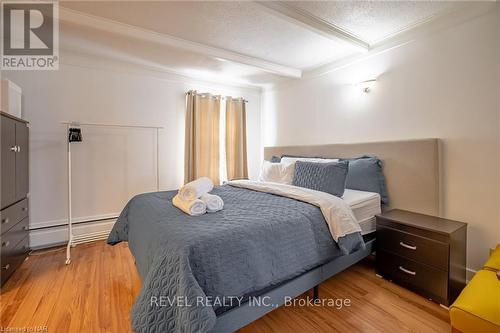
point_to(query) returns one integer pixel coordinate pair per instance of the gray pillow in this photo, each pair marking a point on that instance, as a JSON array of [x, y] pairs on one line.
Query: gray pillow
[[275, 159], [325, 177], [365, 174], [300, 156]]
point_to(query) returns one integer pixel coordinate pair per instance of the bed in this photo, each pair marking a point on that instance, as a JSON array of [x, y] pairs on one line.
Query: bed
[[200, 276]]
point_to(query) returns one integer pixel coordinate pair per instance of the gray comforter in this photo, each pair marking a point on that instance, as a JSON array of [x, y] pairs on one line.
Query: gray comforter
[[258, 240]]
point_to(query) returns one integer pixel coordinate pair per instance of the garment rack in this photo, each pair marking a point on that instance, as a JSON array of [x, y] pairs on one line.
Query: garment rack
[[70, 124]]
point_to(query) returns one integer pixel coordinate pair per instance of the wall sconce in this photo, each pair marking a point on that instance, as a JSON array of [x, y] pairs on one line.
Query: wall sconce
[[367, 85]]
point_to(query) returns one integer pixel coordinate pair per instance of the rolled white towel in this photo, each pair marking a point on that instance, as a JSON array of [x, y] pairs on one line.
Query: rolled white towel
[[214, 202], [194, 207], [196, 188]]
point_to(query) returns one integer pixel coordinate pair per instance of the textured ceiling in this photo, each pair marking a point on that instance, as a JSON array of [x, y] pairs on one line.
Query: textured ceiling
[[375, 20], [115, 47], [252, 30], [242, 27]]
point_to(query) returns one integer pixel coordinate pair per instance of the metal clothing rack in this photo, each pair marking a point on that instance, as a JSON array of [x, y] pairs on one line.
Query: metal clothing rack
[[70, 124]]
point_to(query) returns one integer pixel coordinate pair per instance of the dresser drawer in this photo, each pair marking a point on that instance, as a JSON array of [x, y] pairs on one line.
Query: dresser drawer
[[11, 238], [423, 279], [13, 214], [420, 249], [14, 259]]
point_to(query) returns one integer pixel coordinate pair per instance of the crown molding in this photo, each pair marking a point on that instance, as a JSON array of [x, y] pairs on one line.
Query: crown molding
[[313, 23], [466, 12], [447, 18], [83, 19], [88, 60], [433, 24]]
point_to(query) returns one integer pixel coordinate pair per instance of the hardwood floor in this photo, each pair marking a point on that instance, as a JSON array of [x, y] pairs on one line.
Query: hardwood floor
[[95, 294]]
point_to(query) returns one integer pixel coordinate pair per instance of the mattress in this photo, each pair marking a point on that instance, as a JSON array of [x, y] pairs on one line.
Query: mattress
[[364, 205]]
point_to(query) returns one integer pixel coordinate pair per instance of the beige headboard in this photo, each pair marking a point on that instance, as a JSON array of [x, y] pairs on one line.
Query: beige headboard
[[411, 168]]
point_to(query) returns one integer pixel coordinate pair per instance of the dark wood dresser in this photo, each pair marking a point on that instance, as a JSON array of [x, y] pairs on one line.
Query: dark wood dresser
[[423, 253], [14, 188]]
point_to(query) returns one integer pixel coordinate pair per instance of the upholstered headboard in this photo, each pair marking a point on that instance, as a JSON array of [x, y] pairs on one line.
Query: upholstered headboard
[[411, 168]]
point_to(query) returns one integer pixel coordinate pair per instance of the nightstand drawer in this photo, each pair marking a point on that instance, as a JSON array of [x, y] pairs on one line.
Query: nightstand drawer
[[421, 278], [420, 249]]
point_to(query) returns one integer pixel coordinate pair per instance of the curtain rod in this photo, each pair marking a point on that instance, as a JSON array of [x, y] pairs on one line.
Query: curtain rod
[[216, 96], [76, 123]]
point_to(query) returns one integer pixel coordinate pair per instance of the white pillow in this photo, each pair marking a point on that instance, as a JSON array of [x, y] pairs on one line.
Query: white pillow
[[277, 172], [288, 160]]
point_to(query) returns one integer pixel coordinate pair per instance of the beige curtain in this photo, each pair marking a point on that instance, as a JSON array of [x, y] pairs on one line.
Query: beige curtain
[[202, 137], [236, 139]]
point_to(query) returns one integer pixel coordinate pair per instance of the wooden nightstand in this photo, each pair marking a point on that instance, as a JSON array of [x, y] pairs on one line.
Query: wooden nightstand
[[423, 253]]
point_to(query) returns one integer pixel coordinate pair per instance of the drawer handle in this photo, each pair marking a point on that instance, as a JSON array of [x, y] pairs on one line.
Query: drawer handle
[[410, 247], [5, 244], [6, 267], [14, 149], [5, 220], [407, 271], [18, 149], [25, 209], [25, 228]]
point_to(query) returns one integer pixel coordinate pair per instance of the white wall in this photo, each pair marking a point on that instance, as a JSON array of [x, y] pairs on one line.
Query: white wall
[[445, 85], [92, 89]]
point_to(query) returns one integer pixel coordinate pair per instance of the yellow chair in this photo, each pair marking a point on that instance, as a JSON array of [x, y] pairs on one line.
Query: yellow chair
[[493, 262], [477, 309]]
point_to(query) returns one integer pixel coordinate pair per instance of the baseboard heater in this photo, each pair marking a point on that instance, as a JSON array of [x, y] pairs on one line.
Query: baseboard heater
[[86, 230], [84, 221], [90, 237]]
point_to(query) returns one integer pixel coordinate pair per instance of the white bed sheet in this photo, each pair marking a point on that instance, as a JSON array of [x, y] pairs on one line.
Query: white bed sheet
[[364, 205]]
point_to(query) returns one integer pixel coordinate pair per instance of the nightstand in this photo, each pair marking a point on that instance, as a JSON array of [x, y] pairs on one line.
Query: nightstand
[[423, 253]]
